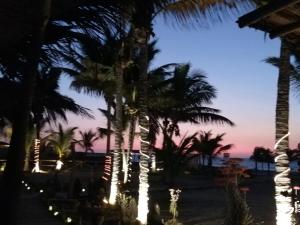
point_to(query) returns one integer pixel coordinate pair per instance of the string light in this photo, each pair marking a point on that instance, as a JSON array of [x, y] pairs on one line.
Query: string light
[[143, 186], [69, 220], [50, 208], [283, 192], [36, 168], [55, 213], [59, 164], [107, 168]]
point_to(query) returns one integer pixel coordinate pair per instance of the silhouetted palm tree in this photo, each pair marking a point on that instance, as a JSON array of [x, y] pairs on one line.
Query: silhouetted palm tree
[[262, 155], [210, 146], [176, 156], [87, 140], [61, 141], [282, 179]]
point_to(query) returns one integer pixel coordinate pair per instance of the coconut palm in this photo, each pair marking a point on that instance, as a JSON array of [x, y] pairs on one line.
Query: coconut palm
[[210, 146], [262, 155], [61, 141], [20, 55], [142, 18], [87, 140], [185, 99], [176, 156], [284, 205]]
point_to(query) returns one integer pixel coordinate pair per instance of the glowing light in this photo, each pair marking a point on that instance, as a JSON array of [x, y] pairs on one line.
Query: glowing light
[[107, 167], [59, 165], [143, 185], [153, 162], [83, 190], [26, 185], [114, 189], [36, 168], [105, 200], [28, 188], [284, 206], [55, 213], [50, 208], [22, 181], [41, 191], [69, 220]]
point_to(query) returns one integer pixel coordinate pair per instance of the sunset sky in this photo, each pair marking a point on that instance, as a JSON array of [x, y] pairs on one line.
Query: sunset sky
[[232, 59]]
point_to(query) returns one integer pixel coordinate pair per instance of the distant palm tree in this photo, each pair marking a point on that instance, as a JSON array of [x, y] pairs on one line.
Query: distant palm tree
[[210, 146], [262, 155], [87, 140], [176, 156], [61, 141]]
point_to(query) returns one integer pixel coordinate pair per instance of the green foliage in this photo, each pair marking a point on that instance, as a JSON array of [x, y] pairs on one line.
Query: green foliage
[[128, 207], [61, 140], [173, 208], [238, 212]]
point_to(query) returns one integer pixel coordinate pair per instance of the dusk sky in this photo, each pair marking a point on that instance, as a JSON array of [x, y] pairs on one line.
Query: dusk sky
[[232, 59]]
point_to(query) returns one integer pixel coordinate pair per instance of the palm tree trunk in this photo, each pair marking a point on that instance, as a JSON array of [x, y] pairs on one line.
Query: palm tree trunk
[[108, 126], [11, 181], [27, 158], [142, 37], [283, 191], [119, 128], [130, 146], [37, 147]]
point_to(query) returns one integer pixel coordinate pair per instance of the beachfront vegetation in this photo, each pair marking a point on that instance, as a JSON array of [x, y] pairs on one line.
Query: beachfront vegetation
[[104, 46]]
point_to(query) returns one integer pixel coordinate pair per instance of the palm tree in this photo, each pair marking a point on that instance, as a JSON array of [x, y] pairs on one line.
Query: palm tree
[[61, 141], [30, 137], [70, 25], [262, 155], [176, 156], [98, 79], [210, 146], [87, 139], [282, 180], [142, 18], [182, 98]]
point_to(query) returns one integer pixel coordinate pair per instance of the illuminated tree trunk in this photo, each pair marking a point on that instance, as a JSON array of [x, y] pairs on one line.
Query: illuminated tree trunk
[[283, 191], [142, 36], [108, 126], [27, 158], [130, 147], [118, 132]]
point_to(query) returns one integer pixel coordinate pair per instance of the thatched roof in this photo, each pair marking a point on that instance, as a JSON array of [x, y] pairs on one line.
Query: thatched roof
[[279, 18]]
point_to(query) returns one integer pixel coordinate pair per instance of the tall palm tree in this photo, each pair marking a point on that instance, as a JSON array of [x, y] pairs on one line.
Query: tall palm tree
[[70, 24], [142, 18], [282, 180], [87, 139], [61, 141], [210, 146], [183, 97], [98, 79]]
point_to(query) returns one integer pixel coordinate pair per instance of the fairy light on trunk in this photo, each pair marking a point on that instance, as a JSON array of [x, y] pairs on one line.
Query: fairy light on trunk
[[37, 145], [283, 189], [107, 168], [143, 186]]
